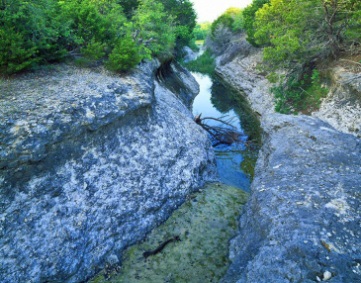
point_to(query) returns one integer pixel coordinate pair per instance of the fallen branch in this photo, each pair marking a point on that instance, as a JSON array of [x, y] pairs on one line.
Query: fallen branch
[[226, 134]]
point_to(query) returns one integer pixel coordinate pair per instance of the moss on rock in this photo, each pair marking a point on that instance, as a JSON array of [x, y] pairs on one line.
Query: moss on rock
[[205, 224]]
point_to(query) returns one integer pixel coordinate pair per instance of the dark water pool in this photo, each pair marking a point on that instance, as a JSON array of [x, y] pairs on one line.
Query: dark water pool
[[217, 100]]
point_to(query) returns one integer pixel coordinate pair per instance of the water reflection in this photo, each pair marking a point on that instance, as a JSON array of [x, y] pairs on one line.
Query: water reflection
[[235, 162]]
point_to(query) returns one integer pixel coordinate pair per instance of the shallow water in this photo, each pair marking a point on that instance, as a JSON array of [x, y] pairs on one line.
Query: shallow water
[[217, 100], [204, 228], [209, 218]]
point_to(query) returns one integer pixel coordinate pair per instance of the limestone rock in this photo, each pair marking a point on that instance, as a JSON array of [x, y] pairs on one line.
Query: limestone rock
[[90, 163], [189, 54], [242, 74], [302, 221], [342, 107]]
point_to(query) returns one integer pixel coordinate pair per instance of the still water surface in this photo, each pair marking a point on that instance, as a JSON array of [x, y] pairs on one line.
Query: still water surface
[[217, 100]]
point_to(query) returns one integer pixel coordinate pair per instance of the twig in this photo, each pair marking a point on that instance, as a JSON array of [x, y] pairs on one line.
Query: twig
[[160, 247]]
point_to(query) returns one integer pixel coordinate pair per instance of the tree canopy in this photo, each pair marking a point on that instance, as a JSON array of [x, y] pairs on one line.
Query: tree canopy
[[305, 30], [231, 19], [297, 36], [249, 17], [119, 33]]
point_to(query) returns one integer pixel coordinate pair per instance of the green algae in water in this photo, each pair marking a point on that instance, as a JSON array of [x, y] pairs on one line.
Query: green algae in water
[[205, 224], [249, 162]]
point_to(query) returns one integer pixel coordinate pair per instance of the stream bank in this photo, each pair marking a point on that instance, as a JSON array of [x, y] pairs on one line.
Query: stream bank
[[301, 222]]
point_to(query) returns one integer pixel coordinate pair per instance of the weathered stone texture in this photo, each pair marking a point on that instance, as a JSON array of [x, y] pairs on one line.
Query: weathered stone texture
[[242, 74], [342, 107], [302, 222], [90, 163]]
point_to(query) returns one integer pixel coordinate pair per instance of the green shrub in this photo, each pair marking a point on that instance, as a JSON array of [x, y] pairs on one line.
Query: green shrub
[[232, 19], [154, 30], [299, 95], [94, 50], [15, 53], [249, 18], [201, 31], [30, 32], [42, 31], [95, 26], [124, 56]]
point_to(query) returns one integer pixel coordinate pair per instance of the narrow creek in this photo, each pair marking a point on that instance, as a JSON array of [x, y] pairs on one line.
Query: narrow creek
[[216, 99], [206, 222]]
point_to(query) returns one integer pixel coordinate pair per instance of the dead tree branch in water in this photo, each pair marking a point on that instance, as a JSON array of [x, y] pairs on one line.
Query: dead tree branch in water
[[225, 133]]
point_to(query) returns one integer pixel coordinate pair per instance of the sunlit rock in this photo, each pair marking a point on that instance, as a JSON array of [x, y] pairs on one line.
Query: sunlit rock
[[302, 221], [90, 163]]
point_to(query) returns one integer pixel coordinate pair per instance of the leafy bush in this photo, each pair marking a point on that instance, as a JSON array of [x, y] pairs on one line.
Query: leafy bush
[[30, 32], [299, 95], [154, 30], [201, 31], [94, 26], [249, 18], [184, 20], [232, 19], [36, 32], [301, 31], [124, 56]]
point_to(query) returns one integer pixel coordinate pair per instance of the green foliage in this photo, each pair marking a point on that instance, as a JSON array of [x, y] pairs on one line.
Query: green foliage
[[353, 32], [295, 34], [94, 26], [30, 32], [124, 56], [153, 30], [232, 19], [129, 7], [203, 64], [249, 17], [15, 54], [299, 31], [36, 32], [282, 28], [94, 50], [184, 19], [299, 95], [201, 31]]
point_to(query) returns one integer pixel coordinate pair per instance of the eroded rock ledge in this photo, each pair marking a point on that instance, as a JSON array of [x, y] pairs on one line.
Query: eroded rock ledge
[[240, 71], [90, 163], [302, 222]]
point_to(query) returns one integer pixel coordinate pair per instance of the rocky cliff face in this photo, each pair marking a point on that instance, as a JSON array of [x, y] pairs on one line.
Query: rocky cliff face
[[341, 108], [90, 163], [240, 72], [302, 222]]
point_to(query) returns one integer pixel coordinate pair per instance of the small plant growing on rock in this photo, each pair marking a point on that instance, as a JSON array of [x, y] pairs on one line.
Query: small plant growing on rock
[[302, 95]]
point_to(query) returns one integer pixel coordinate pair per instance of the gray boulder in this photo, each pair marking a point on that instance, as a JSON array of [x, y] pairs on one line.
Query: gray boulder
[[90, 163], [302, 221]]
